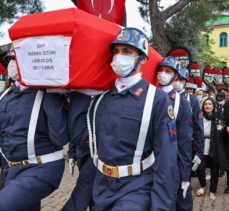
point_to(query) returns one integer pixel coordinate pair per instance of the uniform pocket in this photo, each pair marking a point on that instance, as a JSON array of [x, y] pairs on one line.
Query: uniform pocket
[[3, 106], [132, 113]]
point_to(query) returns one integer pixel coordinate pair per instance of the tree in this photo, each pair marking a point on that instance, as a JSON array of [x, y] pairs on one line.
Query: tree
[[158, 17], [180, 23], [11, 10]]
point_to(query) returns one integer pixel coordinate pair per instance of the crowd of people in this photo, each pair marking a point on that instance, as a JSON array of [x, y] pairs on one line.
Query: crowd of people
[[136, 146]]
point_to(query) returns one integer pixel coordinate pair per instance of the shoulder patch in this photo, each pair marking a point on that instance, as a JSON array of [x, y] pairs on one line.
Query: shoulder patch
[[173, 96], [138, 92], [171, 112]]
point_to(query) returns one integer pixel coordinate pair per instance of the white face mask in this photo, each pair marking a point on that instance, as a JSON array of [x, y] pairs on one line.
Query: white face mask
[[12, 70], [164, 78], [123, 65], [221, 102], [178, 86]]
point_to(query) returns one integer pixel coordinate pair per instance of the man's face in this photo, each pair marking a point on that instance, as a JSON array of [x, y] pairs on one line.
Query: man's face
[[189, 90], [125, 50], [167, 70], [199, 93], [180, 79]]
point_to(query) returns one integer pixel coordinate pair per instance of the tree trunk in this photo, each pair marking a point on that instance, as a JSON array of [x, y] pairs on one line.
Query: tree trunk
[[157, 27]]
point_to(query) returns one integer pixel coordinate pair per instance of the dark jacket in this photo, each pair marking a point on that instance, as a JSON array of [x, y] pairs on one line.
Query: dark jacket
[[217, 146]]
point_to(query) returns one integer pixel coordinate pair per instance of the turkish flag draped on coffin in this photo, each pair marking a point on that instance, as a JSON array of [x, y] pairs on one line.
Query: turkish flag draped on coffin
[[112, 10], [68, 49]]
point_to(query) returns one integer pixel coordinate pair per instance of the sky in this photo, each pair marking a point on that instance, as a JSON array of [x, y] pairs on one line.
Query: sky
[[133, 17]]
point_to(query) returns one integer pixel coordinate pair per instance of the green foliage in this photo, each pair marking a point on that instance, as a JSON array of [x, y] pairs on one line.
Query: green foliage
[[11, 10], [186, 28], [207, 56]]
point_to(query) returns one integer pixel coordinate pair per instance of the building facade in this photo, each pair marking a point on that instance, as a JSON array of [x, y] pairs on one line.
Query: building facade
[[220, 35]]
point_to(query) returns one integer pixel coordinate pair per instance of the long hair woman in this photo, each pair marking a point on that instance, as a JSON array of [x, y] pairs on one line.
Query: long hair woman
[[213, 150]]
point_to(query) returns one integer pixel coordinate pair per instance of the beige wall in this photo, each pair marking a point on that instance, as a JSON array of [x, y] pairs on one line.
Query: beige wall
[[214, 35]]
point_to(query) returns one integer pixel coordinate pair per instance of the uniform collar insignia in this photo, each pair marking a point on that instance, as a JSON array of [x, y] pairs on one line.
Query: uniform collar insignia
[[173, 96], [138, 91]]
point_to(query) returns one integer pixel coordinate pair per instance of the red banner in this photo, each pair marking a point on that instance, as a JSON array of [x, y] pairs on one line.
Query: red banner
[[112, 10], [2, 70]]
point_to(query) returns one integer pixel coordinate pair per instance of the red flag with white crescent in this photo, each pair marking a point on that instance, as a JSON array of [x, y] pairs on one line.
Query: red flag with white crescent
[[112, 10]]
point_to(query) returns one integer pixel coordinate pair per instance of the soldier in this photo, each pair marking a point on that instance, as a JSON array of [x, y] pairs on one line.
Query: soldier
[[79, 151], [198, 132], [33, 127], [132, 135], [167, 72]]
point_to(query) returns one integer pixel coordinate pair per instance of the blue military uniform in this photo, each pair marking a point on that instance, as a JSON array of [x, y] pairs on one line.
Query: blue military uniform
[[79, 150], [118, 119], [197, 147], [184, 137], [27, 184], [198, 128]]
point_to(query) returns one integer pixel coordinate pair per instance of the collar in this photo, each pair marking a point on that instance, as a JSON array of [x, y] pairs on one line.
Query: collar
[[172, 94], [125, 83], [167, 89], [136, 90], [182, 92]]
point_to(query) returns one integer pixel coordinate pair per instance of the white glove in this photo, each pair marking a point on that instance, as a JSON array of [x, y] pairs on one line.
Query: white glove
[[71, 166], [184, 187], [196, 162]]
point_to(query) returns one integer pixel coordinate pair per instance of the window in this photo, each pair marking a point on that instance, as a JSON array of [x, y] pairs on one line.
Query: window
[[223, 40]]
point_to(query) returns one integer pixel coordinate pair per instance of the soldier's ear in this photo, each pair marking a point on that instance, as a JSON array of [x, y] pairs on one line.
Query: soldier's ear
[[144, 60]]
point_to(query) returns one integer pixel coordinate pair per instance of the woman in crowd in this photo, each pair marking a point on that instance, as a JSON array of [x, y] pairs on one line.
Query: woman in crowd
[[213, 150]]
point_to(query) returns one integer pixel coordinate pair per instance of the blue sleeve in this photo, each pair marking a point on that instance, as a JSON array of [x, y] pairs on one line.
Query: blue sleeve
[[198, 127], [165, 151], [56, 118], [77, 124], [184, 139]]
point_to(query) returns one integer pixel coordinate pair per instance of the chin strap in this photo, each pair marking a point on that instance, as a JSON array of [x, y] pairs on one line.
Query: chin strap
[[140, 58]]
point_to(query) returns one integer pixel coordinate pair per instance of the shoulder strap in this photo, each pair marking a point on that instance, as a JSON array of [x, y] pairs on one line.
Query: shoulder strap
[[5, 92], [144, 127], [32, 127], [176, 105]]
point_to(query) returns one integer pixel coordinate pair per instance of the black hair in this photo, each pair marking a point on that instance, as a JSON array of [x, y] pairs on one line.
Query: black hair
[[205, 114]]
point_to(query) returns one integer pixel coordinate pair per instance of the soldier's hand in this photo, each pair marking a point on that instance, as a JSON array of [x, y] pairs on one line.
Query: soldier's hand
[[196, 162], [184, 187], [71, 166]]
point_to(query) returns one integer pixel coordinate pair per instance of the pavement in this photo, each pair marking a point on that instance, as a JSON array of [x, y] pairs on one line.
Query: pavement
[[58, 198]]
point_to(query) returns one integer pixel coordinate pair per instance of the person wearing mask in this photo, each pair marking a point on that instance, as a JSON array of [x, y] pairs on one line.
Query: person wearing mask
[[190, 86], [199, 95], [198, 130], [132, 135], [214, 156], [167, 72], [79, 152], [33, 126]]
